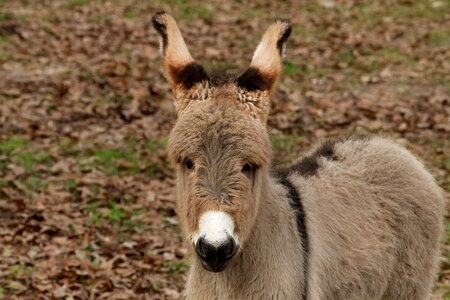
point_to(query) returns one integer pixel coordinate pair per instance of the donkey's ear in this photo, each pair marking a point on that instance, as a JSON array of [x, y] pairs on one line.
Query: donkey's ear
[[267, 64], [180, 67]]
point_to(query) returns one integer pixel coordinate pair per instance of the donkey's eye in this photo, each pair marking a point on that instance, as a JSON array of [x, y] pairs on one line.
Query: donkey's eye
[[189, 164], [247, 168]]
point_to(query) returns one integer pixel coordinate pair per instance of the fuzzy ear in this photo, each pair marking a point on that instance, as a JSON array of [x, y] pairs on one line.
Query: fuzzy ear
[[179, 65], [267, 64]]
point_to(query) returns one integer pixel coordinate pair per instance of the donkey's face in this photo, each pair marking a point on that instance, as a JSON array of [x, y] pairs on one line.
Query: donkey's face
[[219, 143]]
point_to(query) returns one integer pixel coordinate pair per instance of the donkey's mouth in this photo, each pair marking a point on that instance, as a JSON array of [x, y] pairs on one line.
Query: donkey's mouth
[[214, 266], [214, 257]]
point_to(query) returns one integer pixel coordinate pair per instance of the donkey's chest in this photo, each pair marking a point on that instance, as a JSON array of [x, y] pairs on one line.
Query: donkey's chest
[[275, 283]]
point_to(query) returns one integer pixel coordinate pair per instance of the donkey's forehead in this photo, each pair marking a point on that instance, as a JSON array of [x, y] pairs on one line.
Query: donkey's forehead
[[222, 93], [219, 126]]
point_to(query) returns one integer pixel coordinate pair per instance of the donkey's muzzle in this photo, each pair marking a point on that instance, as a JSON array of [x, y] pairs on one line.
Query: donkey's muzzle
[[214, 257]]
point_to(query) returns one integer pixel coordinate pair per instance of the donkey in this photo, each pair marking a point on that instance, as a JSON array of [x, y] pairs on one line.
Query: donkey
[[352, 219]]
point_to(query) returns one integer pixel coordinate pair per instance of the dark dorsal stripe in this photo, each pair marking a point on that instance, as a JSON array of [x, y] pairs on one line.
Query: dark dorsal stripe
[[297, 206], [309, 165]]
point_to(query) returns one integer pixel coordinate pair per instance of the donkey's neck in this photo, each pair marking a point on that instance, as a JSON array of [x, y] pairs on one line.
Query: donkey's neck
[[270, 258]]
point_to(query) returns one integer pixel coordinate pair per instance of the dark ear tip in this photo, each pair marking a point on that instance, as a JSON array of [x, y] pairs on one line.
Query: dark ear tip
[[286, 32], [158, 22], [287, 29]]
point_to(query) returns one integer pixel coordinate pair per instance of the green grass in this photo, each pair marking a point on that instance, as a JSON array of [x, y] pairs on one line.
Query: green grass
[[439, 38], [115, 214], [346, 56], [286, 148], [131, 12], [176, 267], [289, 68], [372, 13], [99, 18], [75, 3], [36, 184], [13, 143], [109, 160], [156, 144], [6, 16], [12, 17], [21, 270], [390, 55], [189, 11], [29, 159]]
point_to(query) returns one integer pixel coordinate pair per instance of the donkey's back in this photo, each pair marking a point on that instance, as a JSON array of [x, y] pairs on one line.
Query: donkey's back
[[373, 215]]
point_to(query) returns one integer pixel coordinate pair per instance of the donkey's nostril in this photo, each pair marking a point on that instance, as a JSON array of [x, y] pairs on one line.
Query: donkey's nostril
[[201, 248], [214, 256], [229, 248]]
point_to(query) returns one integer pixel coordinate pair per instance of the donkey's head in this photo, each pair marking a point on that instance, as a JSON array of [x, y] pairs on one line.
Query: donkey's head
[[220, 143]]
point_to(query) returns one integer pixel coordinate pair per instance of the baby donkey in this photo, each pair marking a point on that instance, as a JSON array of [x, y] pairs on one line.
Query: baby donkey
[[352, 219]]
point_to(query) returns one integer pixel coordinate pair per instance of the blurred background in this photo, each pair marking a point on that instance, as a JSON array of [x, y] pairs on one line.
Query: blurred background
[[86, 191]]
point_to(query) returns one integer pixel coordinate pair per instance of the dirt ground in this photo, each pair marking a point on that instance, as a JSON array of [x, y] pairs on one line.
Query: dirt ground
[[86, 191]]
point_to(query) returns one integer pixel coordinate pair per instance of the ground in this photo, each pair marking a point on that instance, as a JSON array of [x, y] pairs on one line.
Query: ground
[[86, 191]]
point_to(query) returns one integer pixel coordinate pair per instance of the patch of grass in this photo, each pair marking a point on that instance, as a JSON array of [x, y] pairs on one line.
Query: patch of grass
[[286, 148], [106, 156], [115, 214], [446, 237], [189, 11], [394, 56], [204, 12], [176, 267], [219, 65], [103, 101], [13, 143], [6, 16], [99, 18], [303, 69], [289, 68], [254, 12], [368, 63], [36, 184], [130, 12], [6, 39], [28, 159], [130, 224], [197, 12], [52, 19], [439, 38], [21, 270], [111, 213], [283, 142], [117, 161], [12, 17], [443, 290], [71, 184], [305, 33], [408, 11], [95, 218], [156, 144], [66, 146], [75, 3], [346, 56]]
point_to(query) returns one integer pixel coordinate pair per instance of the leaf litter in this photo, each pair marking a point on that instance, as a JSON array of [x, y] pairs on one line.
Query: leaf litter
[[86, 190]]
